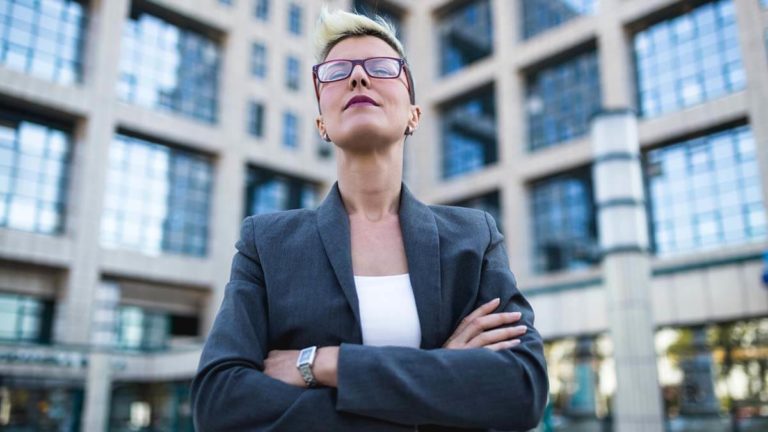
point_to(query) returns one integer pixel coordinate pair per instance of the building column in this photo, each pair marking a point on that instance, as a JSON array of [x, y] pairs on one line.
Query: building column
[[98, 392], [623, 231], [614, 56], [754, 54]]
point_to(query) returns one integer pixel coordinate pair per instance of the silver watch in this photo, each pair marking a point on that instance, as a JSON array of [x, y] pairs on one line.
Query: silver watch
[[304, 364]]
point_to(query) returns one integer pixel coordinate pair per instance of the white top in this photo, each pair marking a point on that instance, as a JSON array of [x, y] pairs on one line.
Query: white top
[[388, 312]]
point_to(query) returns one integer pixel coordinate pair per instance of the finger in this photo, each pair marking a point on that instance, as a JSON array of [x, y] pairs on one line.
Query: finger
[[488, 322], [503, 345], [484, 309], [496, 335]]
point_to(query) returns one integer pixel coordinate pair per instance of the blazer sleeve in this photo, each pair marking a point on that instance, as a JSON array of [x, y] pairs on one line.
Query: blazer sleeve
[[230, 392], [478, 388]]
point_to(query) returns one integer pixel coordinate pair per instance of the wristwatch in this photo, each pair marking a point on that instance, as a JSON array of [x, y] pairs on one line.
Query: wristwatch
[[304, 364]]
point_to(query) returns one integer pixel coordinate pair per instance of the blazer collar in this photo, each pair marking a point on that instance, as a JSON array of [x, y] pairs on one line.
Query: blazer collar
[[422, 251]]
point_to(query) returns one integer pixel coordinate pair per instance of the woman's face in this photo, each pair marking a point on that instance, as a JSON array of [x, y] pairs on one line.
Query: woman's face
[[365, 125]]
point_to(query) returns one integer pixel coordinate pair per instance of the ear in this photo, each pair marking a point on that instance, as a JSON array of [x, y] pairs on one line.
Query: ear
[[320, 124], [414, 117]]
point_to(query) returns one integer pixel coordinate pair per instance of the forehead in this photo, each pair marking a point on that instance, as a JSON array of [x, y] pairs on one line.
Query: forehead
[[360, 47]]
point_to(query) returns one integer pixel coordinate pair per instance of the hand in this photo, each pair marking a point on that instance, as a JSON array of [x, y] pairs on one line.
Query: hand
[[482, 329], [281, 365]]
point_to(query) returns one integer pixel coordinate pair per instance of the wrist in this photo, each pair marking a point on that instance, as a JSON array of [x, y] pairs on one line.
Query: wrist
[[326, 362]]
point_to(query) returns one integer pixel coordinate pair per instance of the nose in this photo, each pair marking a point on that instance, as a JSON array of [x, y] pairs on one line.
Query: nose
[[358, 77]]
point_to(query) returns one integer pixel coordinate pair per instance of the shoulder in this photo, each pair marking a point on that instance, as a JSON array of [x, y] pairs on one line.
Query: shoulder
[[454, 219], [281, 223]]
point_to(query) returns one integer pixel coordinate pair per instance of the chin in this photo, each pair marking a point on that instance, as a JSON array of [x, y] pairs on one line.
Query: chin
[[366, 136]]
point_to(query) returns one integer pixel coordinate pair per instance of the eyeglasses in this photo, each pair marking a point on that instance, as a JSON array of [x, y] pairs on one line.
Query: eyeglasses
[[374, 67]]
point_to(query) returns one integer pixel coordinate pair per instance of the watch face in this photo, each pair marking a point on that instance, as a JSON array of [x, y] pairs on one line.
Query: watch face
[[304, 356]]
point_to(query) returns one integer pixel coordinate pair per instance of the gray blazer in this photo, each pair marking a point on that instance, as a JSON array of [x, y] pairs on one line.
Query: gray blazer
[[292, 286]]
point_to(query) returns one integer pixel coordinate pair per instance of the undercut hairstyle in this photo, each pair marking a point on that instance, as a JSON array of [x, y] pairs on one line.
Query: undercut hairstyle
[[333, 27]]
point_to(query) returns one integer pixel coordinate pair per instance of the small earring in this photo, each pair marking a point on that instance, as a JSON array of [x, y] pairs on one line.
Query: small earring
[[408, 130], [326, 137]]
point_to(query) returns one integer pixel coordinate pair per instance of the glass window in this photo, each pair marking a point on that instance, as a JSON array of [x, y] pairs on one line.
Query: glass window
[[290, 130], [167, 67], [466, 35], [705, 193], [269, 191], [560, 100], [564, 225], [34, 171], [256, 119], [713, 377], [764, 3], [582, 384], [157, 198], [487, 202], [292, 72], [38, 402], [688, 59], [259, 60], [25, 319], [294, 18], [261, 9], [150, 406], [44, 39], [469, 133], [539, 16], [373, 8], [141, 329]]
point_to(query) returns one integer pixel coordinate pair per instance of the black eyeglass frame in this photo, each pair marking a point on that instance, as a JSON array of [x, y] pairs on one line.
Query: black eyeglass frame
[[403, 66]]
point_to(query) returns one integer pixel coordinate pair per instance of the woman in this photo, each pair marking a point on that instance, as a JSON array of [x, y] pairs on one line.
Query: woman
[[412, 306]]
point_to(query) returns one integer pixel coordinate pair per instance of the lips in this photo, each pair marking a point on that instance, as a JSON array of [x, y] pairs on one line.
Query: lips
[[359, 100]]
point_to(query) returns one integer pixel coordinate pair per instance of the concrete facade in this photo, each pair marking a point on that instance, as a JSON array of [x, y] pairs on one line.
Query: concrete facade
[[707, 286]]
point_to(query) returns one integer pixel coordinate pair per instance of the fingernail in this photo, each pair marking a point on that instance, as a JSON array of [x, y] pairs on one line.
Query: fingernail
[[514, 342], [494, 300]]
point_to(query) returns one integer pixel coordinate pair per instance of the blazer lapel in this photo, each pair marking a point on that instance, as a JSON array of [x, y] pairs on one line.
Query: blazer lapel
[[333, 225], [422, 251]]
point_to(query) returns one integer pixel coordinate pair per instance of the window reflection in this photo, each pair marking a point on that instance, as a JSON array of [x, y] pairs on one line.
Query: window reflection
[[34, 165], [256, 119], [145, 407], [582, 384], [259, 60], [290, 130], [541, 15], [267, 192], [371, 8], [157, 198], [705, 192], [488, 202], [140, 329], [560, 100], [167, 67], [466, 36], [40, 404], [261, 9], [294, 18], [292, 72], [469, 133], [25, 319], [689, 59], [44, 39], [564, 225], [713, 377]]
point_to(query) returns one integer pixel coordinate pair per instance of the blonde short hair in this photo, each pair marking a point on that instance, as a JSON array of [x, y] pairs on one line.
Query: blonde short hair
[[334, 26]]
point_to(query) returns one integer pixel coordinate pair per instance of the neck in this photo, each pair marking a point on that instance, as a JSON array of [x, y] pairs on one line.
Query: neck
[[370, 183]]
